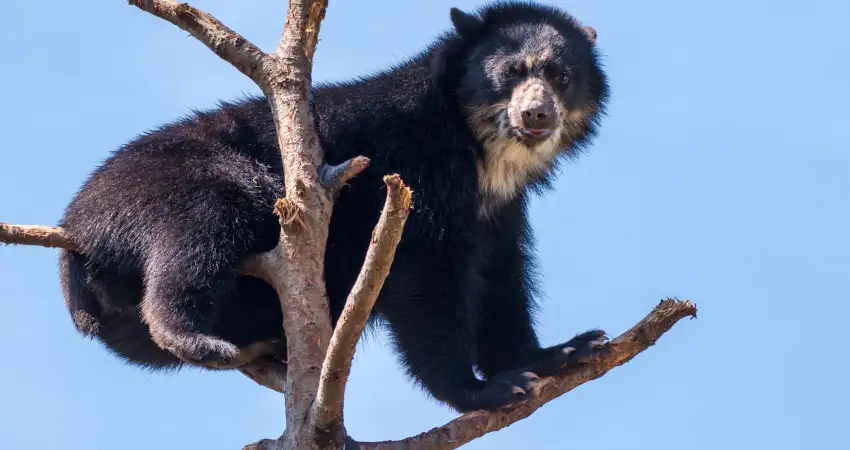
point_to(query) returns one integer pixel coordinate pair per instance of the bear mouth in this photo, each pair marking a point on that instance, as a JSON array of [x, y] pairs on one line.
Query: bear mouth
[[531, 137]]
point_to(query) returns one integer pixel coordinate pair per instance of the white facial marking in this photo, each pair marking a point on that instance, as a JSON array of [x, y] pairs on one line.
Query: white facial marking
[[508, 166]]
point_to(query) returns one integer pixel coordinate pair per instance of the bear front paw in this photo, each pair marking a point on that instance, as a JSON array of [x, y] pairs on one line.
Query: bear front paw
[[503, 389], [578, 350]]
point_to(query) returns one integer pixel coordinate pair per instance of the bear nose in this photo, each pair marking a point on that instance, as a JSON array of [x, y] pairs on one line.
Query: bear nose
[[539, 115]]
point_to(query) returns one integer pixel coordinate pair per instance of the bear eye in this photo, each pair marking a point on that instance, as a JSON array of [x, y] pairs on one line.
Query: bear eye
[[563, 77], [514, 70]]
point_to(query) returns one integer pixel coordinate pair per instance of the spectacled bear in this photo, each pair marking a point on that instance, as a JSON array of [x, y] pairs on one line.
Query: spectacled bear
[[475, 124]]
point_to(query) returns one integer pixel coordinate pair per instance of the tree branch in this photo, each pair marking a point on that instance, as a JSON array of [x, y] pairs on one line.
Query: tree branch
[[619, 351], [223, 41], [311, 31], [327, 410], [55, 237], [40, 235]]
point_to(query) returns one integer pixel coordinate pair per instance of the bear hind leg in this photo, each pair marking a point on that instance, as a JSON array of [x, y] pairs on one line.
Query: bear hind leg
[[182, 303]]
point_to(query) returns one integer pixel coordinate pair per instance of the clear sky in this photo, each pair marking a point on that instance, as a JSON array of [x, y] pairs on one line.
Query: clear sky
[[722, 174]]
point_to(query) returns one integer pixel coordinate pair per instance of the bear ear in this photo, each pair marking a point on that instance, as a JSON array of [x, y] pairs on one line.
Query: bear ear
[[466, 25], [590, 32]]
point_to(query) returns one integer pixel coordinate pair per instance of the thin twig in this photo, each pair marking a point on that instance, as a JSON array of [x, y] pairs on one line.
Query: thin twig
[[327, 410], [476, 424]]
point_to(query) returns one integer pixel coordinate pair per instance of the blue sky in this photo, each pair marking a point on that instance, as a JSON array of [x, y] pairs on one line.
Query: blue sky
[[722, 174]]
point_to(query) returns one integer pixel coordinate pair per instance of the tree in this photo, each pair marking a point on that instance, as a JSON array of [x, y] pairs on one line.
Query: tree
[[319, 358]]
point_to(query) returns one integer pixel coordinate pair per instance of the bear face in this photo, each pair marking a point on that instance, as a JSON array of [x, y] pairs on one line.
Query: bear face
[[532, 91]]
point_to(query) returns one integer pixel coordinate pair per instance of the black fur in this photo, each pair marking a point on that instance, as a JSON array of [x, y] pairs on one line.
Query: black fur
[[164, 221]]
